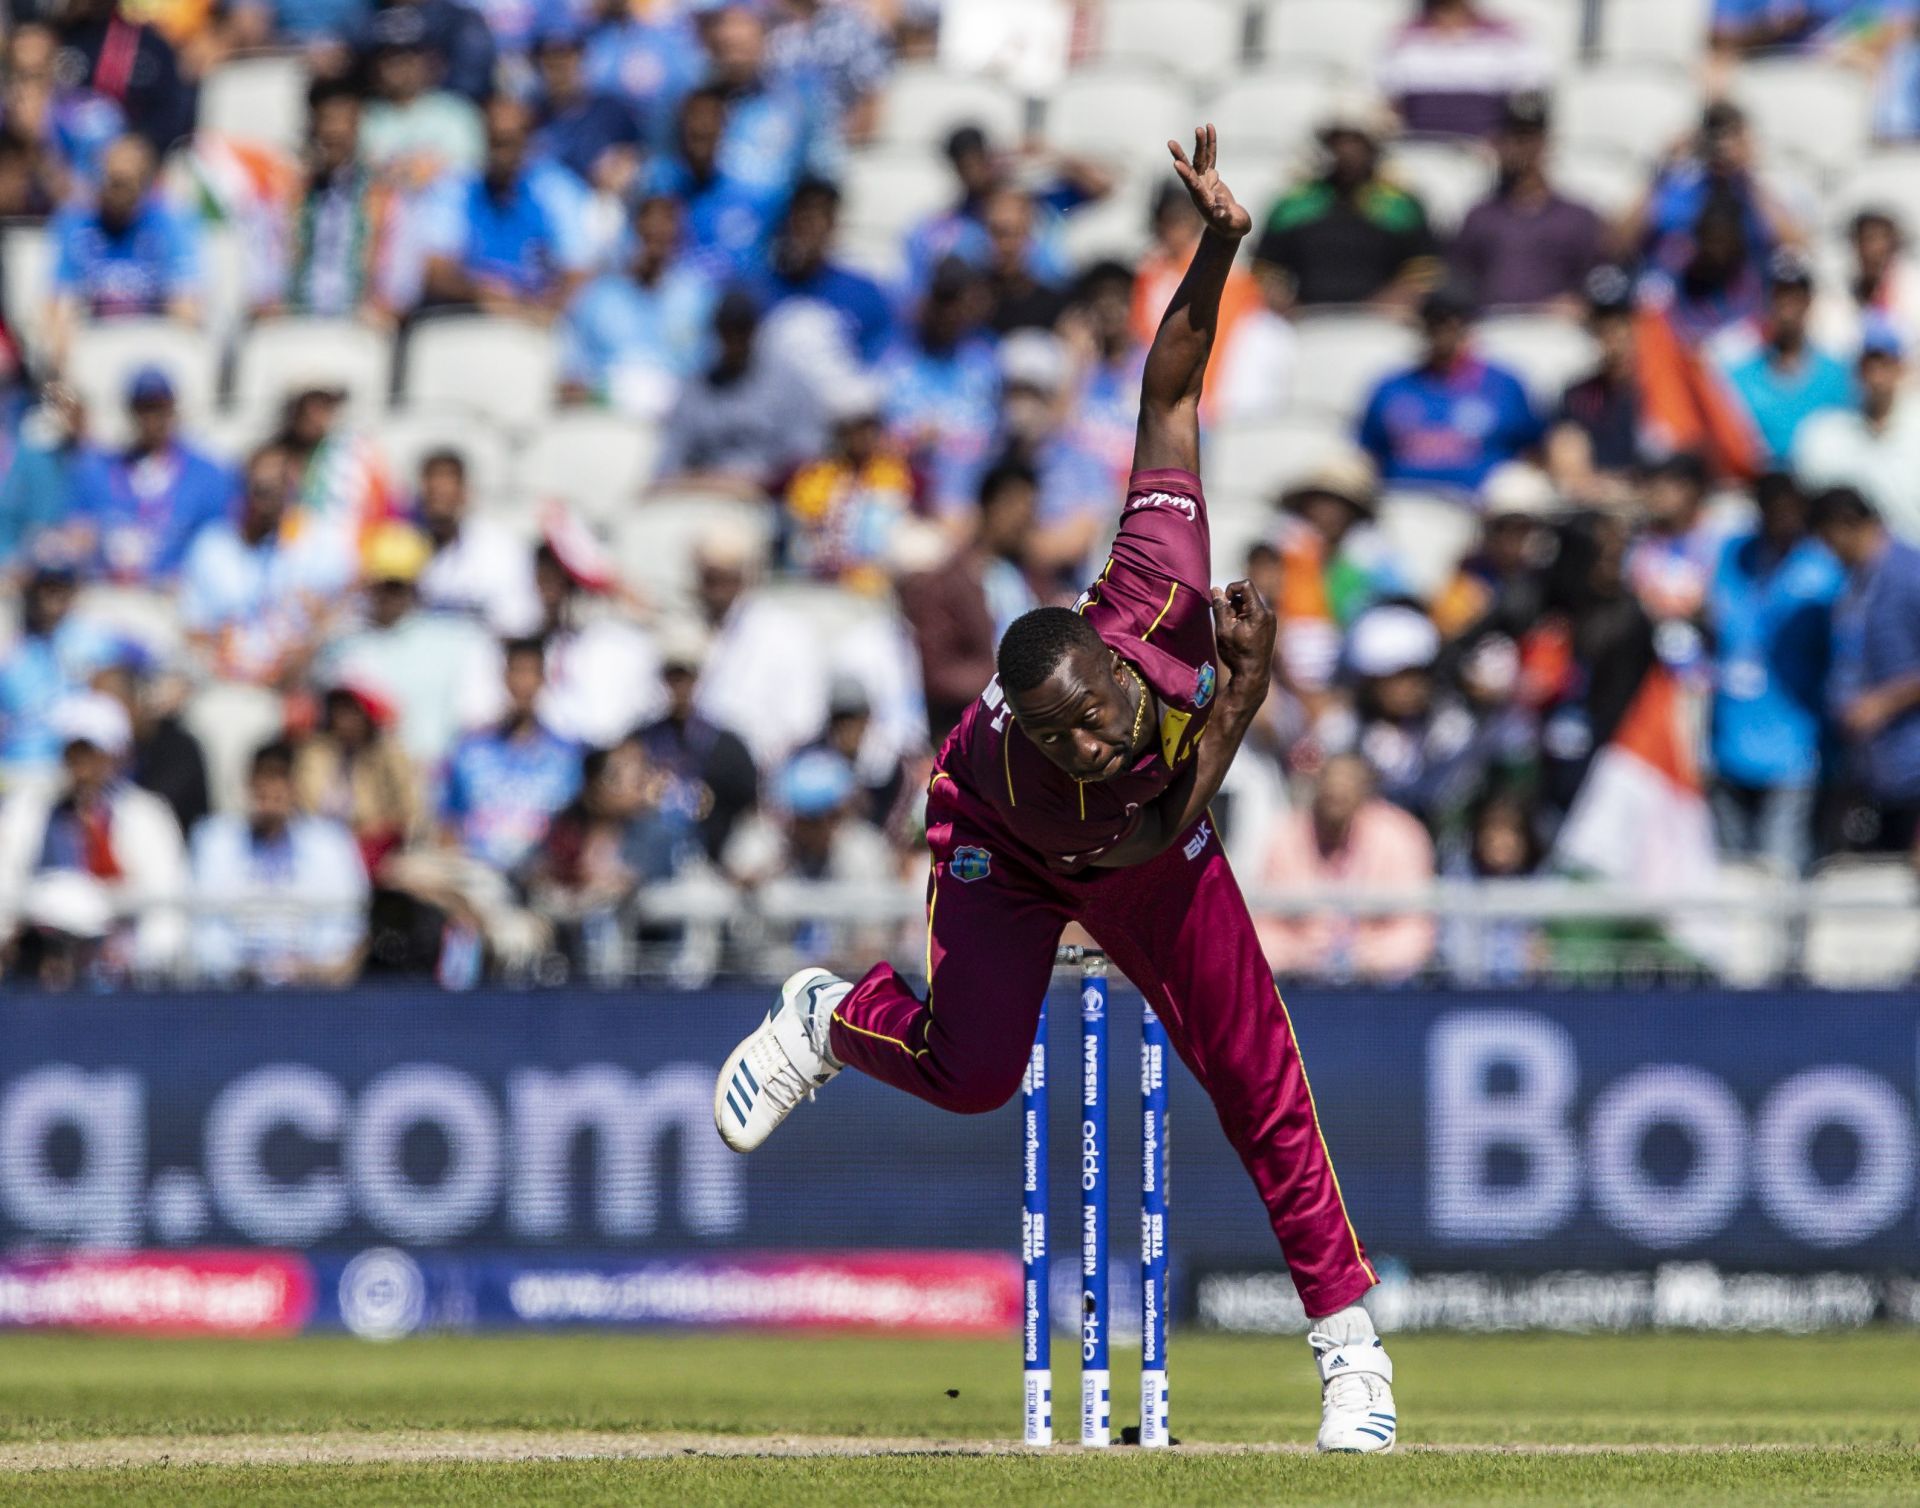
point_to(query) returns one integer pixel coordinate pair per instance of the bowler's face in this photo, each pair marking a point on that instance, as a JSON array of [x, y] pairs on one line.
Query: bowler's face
[[1082, 716]]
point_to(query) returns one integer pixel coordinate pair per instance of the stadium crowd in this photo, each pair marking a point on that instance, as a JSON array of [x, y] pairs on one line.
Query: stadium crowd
[[288, 700]]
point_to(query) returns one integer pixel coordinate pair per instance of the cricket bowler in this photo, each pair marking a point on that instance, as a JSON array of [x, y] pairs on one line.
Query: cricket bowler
[[1076, 789]]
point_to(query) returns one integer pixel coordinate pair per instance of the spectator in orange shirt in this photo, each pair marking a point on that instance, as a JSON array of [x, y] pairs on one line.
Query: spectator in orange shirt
[[1348, 840], [1176, 231]]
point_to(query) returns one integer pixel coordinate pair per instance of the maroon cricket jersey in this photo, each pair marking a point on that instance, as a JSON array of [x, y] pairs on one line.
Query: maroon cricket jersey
[[1152, 603]]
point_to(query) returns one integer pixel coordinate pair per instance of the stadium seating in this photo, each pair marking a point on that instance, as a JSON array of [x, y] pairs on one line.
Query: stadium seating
[[1342, 36], [1450, 177], [26, 275], [405, 438], [1637, 112], [1347, 353], [1807, 112], [593, 461], [276, 356], [886, 191], [654, 541], [106, 353], [1885, 179], [1849, 949], [1271, 112], [923, 105], [231, 720], [1081, 115], [1198, 39], [1607, 181], [1553, 26], [1667, 33], [258, 99], [499, 370], [1430, 536], [1260, 457], [1546, 351]]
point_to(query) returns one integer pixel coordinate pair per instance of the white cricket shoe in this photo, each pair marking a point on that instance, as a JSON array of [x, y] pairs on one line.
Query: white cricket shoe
[[783, 1061], [1356, 1395]]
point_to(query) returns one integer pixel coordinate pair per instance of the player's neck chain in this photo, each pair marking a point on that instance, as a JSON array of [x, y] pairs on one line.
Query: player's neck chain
[[1139, 712]]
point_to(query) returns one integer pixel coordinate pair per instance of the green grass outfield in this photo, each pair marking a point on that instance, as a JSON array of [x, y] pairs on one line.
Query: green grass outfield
[[593, 1419]]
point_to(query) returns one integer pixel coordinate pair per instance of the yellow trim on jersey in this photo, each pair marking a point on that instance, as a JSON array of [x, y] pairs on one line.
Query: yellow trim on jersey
[[1173, 728], [1353, 1235], [1172, 587], [933, 897], [1081, 787], [1006, 762], [883, 1037]]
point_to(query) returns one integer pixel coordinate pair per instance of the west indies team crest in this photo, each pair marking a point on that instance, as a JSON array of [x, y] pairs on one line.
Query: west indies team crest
[[1203, 686], [970, 864]]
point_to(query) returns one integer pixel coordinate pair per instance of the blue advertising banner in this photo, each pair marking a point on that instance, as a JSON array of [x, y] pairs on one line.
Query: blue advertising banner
[[1503, 1134]]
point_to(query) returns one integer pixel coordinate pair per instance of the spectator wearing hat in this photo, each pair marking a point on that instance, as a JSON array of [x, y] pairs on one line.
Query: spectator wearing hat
[[801, 265], [1332, 566], [1769, 609], [1780, 378], [127, 253], [814, 836], [727, 221], [958, 605], [353, 770], [747, 418], [1497, 588], [1874, 690], [1525, 244], [455, 44], [1596, 443], [479, 567], [280, 895], [421, 665], [53, 657], [942, 387], [334, 246], [144, 505], [593, 132], [1882, 284], [1449, 71], [632, 336], [91, 855], [713, 774], [1449, 420], [1346, 839], [1347, 235], [418, 126], [1076, 490], [839, 513], [516, 240], [1433, 750], [837, 54], [1875, 445]]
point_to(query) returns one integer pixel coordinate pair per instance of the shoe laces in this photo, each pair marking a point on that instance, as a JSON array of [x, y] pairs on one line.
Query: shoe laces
[[783, 1084], [1348, 1392]]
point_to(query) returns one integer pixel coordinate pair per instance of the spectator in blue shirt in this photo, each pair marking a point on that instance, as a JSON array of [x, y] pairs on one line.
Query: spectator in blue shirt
[[650, 61], [54, 656], [593, 132], [837, 52], [631, 337], [1769, 608], [128, 253], [942, 385], [127, 61], [504, 783], [727, 220], [774, 134], [1784, 379], [1717, 170], [518, 246], [1875, 688], [144, 505], [1449, 421], [457, 38], [801, 267], [1750, 26], [37, 491]]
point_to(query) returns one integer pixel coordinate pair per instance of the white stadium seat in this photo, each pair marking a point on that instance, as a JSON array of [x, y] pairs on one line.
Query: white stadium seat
[[1886, 179], [1638, 111], [1853, 949], [224, 281], [654, 542], [1199, 39], [1345, 36], [106, 353], [1117, 226], [231, 720], [595, 462], [1449, 178], [404, 438], [1258, 459], [1608, 182], [1672, 33], [501, 370], [1552, 26], [923, 104], [1813, 112], [1124, 113], [889, 190], [1755, 944], [1547, 351], [1343, 355], [277, 356], [260, 99], [1430, 536], [1275, 110], [26, 265]]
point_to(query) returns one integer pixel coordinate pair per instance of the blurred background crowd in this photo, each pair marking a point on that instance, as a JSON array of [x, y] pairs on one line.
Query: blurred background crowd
[[523, 487]]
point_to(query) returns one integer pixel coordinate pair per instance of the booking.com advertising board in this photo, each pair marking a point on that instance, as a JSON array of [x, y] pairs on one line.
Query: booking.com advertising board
[[392, 1161]]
